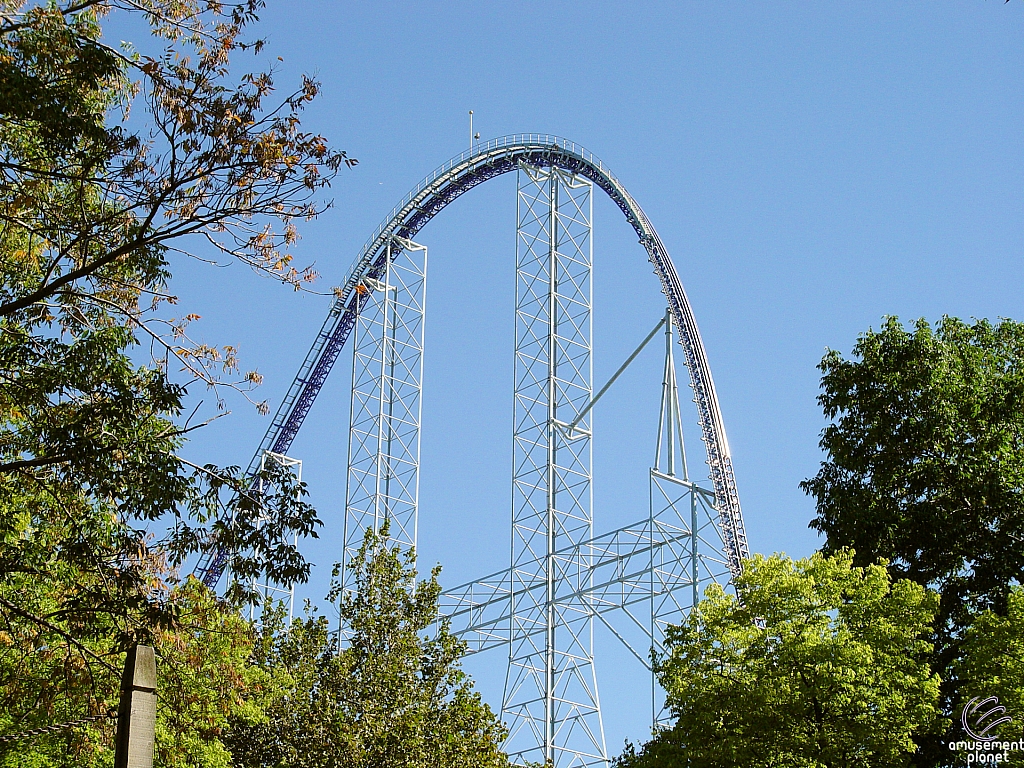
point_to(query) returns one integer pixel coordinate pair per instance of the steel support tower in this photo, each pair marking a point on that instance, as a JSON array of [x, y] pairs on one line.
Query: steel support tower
[[634, 580], [551, 701], [689, 551], [268, 591], [382, 481], [563, 580]]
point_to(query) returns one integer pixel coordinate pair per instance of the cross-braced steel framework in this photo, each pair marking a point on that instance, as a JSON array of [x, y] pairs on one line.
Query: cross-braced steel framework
[[691, 551], [633, 580], [551, 701], [267, 591], [383, 470]]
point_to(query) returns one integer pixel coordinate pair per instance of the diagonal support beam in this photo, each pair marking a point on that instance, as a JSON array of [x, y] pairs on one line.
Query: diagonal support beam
[[572, 426]]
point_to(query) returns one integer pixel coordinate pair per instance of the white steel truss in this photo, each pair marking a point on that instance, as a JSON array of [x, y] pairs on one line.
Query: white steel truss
[[635, 580], [267, 591], [551, 703], [684, 518], [387, 377]]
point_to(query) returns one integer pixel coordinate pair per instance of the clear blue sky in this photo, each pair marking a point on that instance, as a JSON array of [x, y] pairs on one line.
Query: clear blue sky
[[810, 167]]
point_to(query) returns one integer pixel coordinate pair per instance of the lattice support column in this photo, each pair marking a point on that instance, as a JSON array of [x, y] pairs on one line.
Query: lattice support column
[[551, 702], [683, 517], [267, 591], [387, 376]]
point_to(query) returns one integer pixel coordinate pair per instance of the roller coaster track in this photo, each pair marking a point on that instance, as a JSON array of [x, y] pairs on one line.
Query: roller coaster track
[[427, 199]]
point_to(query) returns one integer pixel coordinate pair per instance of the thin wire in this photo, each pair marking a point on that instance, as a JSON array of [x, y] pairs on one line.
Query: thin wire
[[110, 714]]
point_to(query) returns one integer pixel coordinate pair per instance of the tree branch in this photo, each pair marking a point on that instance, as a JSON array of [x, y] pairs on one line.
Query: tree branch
[[53, 628]]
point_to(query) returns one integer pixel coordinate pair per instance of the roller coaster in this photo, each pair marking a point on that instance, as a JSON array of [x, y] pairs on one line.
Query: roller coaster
[[562, 579]]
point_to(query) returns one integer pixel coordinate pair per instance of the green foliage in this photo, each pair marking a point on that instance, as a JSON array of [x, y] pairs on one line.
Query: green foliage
[[90, 211], [924, 467], [393, 696], [816, 664], [992, 664], [925, 458], [203, 673], [54, 80], [97, 507]]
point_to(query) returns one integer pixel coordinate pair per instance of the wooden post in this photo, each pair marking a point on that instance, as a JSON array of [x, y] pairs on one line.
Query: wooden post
[[136, 716]]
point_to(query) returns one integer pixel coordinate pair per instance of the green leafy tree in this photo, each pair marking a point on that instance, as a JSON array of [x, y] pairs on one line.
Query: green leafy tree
[[924, 462], [92, 210], [924, 467], [204, 679], [97, 506], [992, 664], [817, 664], [394, 696]]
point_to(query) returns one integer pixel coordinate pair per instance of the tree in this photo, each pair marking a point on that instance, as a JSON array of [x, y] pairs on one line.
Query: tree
[[97, 506], [204, 679], [924, 462], [815, 663], [924, 467], [90, 213], [992, 664], [393, 696]]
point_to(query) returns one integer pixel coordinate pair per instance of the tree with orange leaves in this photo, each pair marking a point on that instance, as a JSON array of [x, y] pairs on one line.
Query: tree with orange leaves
[[97, 507]]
